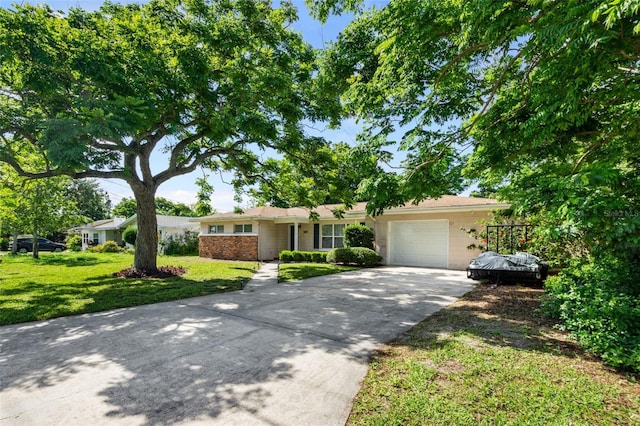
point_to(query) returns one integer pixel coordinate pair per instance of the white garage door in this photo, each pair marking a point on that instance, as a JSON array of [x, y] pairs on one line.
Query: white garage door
[[419, 243]]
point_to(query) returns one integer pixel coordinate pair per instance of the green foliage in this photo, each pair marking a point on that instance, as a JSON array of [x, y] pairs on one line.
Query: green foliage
[[129, 235], [297, 182], [183, 245], [91, 287], [354, 256], [125, 208], [97, 94], [92, 201], [203, 203], [288, 256], [599, 303], [356, 235], [74, 243], [106, 247], [4, 244]]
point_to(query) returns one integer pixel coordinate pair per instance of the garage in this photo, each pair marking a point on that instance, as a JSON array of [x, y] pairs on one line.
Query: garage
[[419, 243]]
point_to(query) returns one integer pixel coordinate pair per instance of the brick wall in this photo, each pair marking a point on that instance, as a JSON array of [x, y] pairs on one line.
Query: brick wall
[[229, 247]]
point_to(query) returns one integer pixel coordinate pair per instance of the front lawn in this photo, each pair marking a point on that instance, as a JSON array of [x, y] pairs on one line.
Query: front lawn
[[288, 272], [491, 358], [60, 284]]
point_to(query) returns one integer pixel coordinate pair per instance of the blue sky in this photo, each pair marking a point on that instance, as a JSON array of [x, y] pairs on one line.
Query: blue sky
[[182, 188]]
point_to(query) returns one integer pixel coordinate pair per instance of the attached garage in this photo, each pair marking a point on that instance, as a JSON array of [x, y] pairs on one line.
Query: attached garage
[[419, 243]]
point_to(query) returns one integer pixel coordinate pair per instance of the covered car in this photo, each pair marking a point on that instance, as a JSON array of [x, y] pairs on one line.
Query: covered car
[[507, 267]]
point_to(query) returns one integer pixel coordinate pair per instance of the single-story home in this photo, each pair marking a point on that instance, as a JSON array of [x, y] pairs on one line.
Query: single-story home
[[427, 234], [101, 231]]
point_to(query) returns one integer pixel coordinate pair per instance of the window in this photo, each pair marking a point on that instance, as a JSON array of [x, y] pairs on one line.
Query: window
[[245, 228], [332, 236], [85, 239], [216, 229], [95, 238]]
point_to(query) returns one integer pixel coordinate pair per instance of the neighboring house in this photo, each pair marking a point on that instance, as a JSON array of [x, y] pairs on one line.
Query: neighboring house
[[101, 231], [111, 229], [426, 234]]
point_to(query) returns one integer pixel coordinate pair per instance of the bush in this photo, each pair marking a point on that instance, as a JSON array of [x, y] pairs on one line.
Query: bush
[[288, 256], [599, 303], [356, 235], [106, 247], [318, 256], [4, 244], [74, 242], [181, 245], [129, 235], [361, 256]]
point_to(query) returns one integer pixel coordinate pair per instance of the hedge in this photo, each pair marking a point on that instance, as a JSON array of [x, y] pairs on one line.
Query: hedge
[[287, 256]]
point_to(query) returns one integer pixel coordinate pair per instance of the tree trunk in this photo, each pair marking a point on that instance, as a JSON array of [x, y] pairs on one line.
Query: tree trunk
[[35, 248], [146, 253], [14, 247]]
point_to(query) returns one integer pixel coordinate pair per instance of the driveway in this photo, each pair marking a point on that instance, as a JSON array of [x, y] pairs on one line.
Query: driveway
[[275, 355]]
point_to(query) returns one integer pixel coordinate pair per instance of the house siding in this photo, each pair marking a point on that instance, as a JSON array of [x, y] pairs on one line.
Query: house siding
[[273, 239], [229, 247]]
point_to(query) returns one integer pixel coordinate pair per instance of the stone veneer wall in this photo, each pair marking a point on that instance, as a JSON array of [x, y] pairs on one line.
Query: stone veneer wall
[[229, 247]]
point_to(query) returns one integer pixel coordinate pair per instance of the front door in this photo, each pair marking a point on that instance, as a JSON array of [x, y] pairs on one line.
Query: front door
[[292, 236]]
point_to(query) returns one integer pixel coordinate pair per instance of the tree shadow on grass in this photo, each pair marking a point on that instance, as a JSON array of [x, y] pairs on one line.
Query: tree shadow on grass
[[505, 316], [35, 301]]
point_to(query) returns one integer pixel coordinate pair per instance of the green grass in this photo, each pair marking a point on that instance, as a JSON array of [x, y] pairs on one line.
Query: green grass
[[491, 359], [288, 272], [60, 284]]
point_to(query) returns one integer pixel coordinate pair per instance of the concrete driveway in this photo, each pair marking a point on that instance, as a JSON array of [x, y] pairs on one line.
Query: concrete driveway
[[277, 355]]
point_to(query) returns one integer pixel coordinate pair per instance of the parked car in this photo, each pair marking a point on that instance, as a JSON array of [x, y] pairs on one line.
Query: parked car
[[507, 267], [26, 244]]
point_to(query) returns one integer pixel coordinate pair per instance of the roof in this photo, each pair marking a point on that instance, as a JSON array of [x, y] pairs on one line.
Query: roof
[[164, 221], [444, 203], [121, 222], [104, 224]]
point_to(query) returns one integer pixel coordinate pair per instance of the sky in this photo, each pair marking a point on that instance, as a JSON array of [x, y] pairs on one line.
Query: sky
[[182, 188]]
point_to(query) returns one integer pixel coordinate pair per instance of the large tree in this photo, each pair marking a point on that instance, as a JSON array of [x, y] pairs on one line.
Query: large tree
[[206, 82], [538, 99]]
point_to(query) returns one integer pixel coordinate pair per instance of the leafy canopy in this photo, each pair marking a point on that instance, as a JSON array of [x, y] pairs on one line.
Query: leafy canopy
[[207, 83], [537, 99]]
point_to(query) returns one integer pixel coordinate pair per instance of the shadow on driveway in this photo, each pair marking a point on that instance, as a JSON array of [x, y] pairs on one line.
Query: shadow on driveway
[[281, 354]]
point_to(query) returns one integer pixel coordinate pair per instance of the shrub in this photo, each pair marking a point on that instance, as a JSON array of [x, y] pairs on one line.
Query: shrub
[[356, 235], [362, 256], [182, 245], [129, 235], [106, 247], [74, 242], [318, 257], [286, 256], [599, 303], [4, 244]]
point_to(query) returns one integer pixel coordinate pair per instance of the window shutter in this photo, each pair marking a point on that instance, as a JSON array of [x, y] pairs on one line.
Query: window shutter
[[316, 235]]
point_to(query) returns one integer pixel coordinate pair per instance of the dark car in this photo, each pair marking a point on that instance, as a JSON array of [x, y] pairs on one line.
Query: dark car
[[26, 245]]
